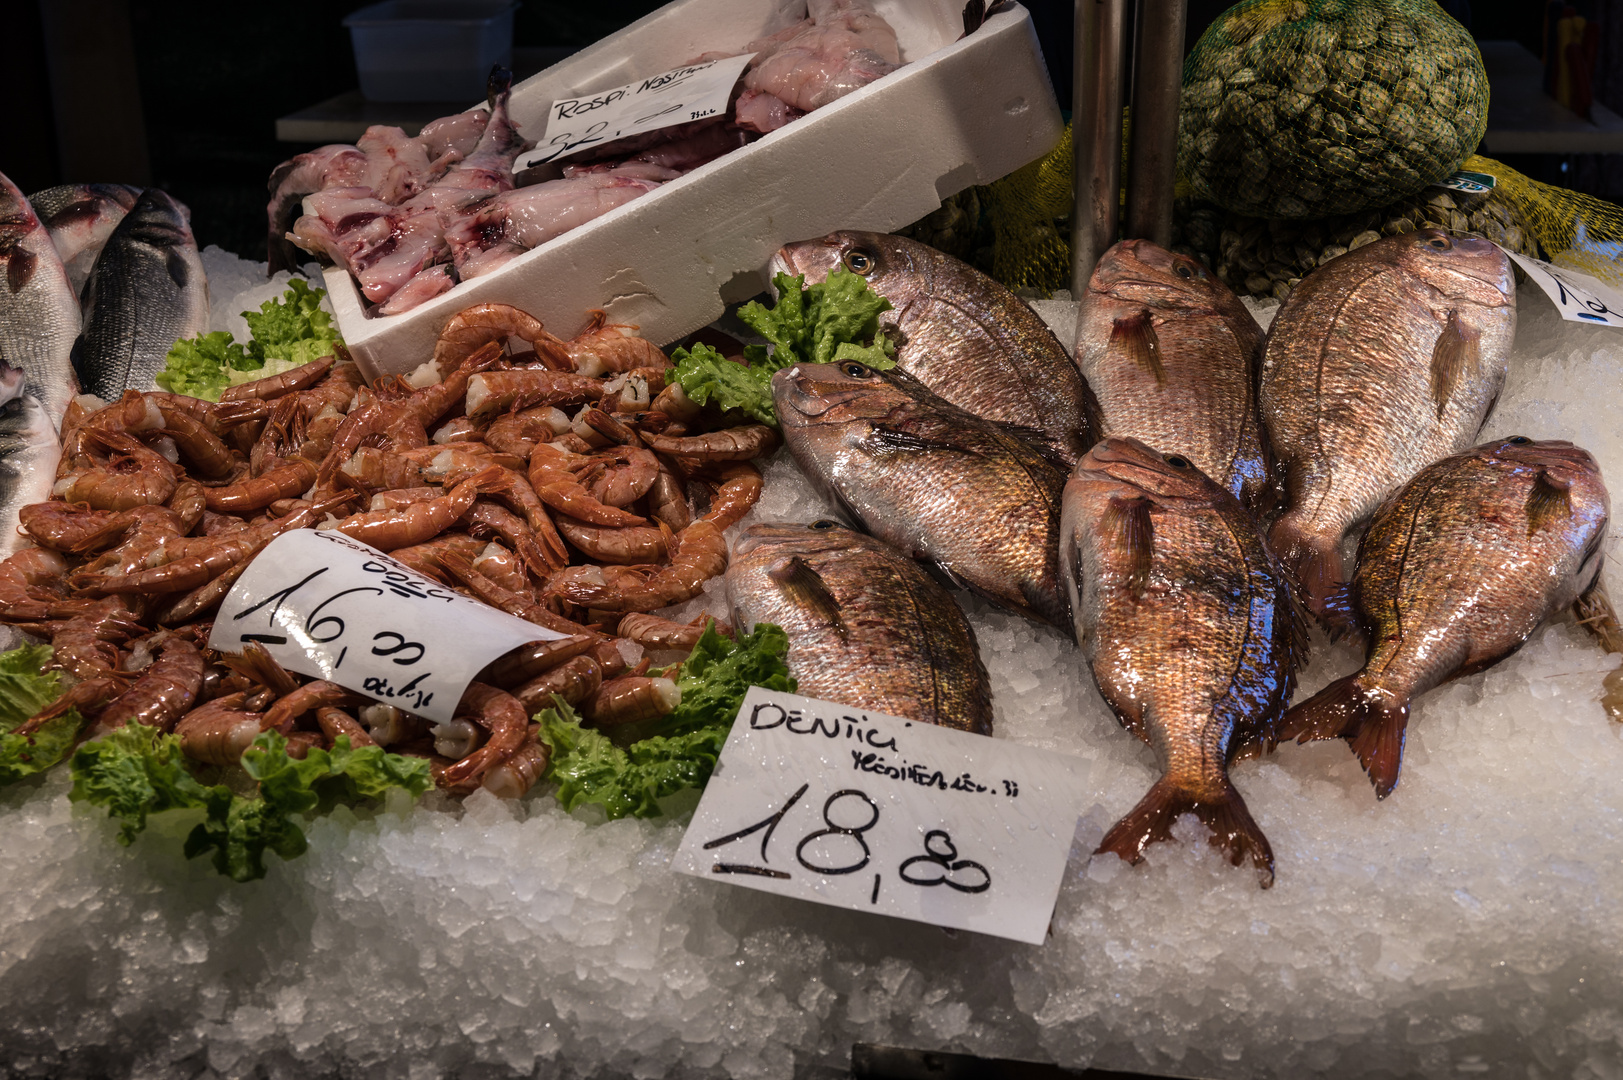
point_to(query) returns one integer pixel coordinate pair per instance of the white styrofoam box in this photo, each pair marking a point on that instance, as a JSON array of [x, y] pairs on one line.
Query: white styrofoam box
[[961, 112]]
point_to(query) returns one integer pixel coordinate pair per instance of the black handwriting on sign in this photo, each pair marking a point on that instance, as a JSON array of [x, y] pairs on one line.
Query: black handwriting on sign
[[940, 865], [566, 110], [852, 797], [380, 688], [769, 714]]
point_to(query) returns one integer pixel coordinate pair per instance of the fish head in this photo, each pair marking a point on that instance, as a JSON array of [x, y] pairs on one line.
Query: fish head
[[1459, 267], [839, 393], [1140, 271], [790, 537], [11, 382], [888, 263], [1124, 467], [1557, 457]]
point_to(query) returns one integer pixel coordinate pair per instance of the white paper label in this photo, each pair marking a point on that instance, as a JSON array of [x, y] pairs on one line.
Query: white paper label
[[337, 609], [680, 96], [1579, 297], [858, 810]]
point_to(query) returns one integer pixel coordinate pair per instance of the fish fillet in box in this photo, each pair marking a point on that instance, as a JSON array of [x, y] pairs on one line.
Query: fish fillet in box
[[957, 113]]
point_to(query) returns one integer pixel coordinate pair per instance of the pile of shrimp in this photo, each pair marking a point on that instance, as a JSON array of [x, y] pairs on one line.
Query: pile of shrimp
[[562, 482]]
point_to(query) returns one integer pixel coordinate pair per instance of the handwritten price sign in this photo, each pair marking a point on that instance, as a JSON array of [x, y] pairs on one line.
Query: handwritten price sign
[[680, 96], [1578, 296], [337, 609], [822, 802]]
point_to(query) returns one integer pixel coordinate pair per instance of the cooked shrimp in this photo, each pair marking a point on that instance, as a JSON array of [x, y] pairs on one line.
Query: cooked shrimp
[[606, 346], [73, 527], [529, 661], [632, 391], [738, 488], [667, 500], [473, 327], [335, 722], [288, 480], [419, 522], [188, 504], [388, 725], [631, 699], [458, 429], [260, 668], [164, 693], [554, 482], [631, 473], [198, 445], [86, 646], [274, 386], [657, 633], [31, 587], [395, 498], [219, 731], [432, 402], [501, 714], [513, 778], [86, 697], [371, 468], [336, 391], [460, 567], [429, 559], [132, 475], [631, 545], [729, 444], [542, 553], [574, 680], [701, 554], [525, 388], [503, 567], [674, 402], [517, 433], [307, 698]]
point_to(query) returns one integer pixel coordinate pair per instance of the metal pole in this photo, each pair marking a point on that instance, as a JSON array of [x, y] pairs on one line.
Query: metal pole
[[1157, 82], [1101, 39]]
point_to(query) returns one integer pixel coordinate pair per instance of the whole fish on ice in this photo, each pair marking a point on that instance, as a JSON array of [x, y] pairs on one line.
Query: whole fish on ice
[[1174, 356], [962, 334], [1381, 362], [39, 311], [944, 486], [29, 452], [867, 626], [1456, 571], [147, 291], [1188, 629]]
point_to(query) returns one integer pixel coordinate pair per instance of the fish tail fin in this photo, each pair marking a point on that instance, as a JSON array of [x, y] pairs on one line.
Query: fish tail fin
[[1373, 723], [1314, 564], [1233, 830]]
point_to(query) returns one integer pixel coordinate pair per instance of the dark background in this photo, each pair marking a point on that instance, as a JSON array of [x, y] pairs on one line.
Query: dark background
[[214, 76]]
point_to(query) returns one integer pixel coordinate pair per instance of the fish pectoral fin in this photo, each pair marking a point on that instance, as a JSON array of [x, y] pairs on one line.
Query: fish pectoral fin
[[1548, 503], [1129, 520], [20, 268], [806, 588], [1458, 349], [1224, 812], [885, 440], [1136, 334]]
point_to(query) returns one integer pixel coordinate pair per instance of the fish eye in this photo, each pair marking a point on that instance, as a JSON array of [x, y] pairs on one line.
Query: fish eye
[[859, 261], [825, 523], [1440, 243], [1183, 270], [1520, 440], [854, 369], [1177, 462]]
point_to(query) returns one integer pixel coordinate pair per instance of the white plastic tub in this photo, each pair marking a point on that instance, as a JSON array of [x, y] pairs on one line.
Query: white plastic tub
[[430, 50], [961, 112]]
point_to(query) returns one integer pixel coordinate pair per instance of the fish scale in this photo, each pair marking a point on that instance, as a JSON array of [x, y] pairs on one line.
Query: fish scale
[[39, 313], [147, 291]]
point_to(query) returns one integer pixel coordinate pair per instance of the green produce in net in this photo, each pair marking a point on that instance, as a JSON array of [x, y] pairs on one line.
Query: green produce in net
[[1308, 108]]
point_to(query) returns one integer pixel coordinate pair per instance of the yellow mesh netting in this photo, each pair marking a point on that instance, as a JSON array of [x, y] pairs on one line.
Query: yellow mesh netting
[[1029, 211]]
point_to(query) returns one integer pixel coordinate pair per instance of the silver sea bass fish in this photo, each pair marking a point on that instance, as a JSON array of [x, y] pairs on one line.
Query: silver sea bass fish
[[80, 218], [147, 291], [39, 314], [29, 452]]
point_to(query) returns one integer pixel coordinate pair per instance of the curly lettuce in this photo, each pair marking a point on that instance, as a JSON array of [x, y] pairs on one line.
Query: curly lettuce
[[284, 333], [589, 768], [25, 689]]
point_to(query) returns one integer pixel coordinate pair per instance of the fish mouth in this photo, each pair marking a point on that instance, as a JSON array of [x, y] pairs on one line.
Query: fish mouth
[[807, 395]]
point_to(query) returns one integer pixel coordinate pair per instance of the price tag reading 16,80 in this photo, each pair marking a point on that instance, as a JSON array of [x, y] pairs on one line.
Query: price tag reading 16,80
[[337, 609], [868, 812]]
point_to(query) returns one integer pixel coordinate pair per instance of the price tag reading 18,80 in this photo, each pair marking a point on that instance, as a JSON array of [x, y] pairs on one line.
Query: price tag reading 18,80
[[337, 609], [868, 812]]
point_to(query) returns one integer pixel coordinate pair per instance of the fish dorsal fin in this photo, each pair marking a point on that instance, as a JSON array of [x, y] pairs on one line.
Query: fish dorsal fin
[[1548, 503], [1458, 349], [1128, 520], [808, 591], [1136, 333]]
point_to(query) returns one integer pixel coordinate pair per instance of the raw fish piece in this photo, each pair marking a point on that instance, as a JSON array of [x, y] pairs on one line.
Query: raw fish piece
[[39, 312], [397, 166], [81, 217], [423, 286], [516, 221], [847, 47], [327, 167], [757, 110], [459, 133]]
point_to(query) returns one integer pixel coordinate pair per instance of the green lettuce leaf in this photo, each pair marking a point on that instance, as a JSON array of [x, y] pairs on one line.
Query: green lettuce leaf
[[589, 768], [284, 333], [24, 691], [137, 771], [812, 325], [707, 376]]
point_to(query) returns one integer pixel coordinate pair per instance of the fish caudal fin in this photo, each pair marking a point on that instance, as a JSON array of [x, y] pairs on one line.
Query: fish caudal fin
[[1233, 830], [1315, 567], [1373, 722]]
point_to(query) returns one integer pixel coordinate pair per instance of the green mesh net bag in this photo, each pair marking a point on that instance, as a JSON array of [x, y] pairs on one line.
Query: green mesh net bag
[[1307, 108]]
